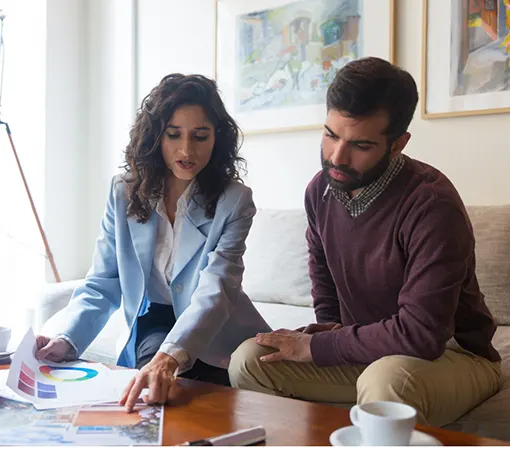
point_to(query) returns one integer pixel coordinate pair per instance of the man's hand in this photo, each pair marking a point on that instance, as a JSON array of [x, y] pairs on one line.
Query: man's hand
[[158, 375], [54, 349], [292, 345], [318, 327]]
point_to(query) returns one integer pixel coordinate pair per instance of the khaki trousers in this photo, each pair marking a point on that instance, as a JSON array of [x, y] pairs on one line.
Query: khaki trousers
[[441, 391]]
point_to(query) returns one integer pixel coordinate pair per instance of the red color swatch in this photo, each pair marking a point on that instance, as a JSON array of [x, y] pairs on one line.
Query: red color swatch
[[27, 370], [25, 388], [28, 380]]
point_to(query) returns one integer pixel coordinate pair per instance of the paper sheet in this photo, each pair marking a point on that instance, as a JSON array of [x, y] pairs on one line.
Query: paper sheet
[[51, 385], [98, 425]]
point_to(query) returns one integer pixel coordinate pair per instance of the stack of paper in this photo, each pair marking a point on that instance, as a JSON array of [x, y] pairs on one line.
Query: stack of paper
[[86, 396], [50, 385]]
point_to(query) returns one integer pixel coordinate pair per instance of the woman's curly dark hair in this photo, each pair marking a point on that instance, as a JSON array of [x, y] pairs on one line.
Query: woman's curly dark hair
[[144, 164]]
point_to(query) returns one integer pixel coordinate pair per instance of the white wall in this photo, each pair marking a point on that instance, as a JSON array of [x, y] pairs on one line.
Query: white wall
[[110, 108], [280, 167], [66, 131], [89, 107], [473, 152], [173, 39]]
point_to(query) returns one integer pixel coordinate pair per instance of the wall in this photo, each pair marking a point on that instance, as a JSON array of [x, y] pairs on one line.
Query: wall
[[110, 109], [173, 39], [473, 151], [89, 107], [66, 132]]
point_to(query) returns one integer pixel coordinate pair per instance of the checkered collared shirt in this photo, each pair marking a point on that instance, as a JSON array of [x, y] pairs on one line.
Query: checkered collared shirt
[[361, 202]]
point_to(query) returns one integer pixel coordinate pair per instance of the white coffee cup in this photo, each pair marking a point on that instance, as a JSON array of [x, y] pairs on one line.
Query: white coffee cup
[[383, 423], [5, 336]]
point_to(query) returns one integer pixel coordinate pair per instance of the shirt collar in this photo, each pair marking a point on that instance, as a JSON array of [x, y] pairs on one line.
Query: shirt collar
[[181, 202], [373, 189]]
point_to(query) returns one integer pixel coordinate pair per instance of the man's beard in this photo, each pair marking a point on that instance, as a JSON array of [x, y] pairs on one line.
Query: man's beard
[[355, 179]]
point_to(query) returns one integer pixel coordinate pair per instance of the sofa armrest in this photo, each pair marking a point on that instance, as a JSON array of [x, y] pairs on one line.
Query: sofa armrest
[[54, 297]]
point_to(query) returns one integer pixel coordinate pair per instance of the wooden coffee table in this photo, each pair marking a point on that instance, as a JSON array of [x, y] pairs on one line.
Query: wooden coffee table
[[201, 410]]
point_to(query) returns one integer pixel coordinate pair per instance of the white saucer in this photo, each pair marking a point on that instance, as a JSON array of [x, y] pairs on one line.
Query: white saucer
[[5, 354], [350, 436]]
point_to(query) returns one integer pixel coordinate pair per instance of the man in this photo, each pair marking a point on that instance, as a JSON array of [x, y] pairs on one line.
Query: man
[[400, 316]]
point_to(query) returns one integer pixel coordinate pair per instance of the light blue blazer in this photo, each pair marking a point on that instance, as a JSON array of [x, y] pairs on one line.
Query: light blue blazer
[[213, 314]]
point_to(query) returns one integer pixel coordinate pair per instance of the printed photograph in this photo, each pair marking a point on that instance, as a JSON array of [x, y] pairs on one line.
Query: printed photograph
[[103, 424]]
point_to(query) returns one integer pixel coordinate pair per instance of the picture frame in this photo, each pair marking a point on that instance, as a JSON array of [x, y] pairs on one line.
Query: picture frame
[[275, 58], [467, 76]]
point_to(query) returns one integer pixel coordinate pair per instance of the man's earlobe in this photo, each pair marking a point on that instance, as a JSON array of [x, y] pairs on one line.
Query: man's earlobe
[[407, 137], [400, 143]]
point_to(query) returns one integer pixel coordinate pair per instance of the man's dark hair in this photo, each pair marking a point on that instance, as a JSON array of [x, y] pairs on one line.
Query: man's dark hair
[[368, 85]]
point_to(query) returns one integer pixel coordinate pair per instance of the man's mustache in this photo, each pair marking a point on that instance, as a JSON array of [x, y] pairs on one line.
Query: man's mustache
[[342, 168]]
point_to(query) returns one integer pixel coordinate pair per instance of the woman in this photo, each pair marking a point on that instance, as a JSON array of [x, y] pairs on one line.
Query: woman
[[171, 246]]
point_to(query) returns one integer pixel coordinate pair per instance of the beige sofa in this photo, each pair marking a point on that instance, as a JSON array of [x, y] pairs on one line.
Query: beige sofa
[[276, 279]]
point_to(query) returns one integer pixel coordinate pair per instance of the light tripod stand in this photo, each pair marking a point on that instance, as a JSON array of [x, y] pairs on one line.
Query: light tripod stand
[[49, 255]]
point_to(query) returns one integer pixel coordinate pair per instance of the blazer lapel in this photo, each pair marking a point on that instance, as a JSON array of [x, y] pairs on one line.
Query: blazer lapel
[[143, 236], [191, 238]]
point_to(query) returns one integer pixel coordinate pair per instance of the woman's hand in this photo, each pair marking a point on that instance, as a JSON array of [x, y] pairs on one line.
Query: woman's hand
[[158, 375], [54, 349]]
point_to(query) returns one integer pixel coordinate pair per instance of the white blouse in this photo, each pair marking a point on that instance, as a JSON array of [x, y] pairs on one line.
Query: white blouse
[[167, 243]]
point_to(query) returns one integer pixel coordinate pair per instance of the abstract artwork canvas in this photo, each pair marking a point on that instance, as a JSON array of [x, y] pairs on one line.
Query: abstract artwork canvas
[[276, 59], [289, 55], [466, 57]]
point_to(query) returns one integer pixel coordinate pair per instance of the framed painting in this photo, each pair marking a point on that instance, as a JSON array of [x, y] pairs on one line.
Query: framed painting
[[276, 58], [466, 58]]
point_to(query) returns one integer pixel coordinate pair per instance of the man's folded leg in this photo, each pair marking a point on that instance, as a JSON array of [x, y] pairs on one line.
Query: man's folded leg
[[336, 385], [441, 390]]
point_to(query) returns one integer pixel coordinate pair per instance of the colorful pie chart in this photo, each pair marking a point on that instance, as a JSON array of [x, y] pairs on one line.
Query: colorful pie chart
[[87, 373]]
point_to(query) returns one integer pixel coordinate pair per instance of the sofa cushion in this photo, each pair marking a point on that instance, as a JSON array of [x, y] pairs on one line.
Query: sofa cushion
[[276, 258], [283, 277], [52, 298], [492, 233], [103, 348], [491, 419], [284, 316]]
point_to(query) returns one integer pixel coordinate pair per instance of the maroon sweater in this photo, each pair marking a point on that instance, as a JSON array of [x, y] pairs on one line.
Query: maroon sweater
[[400, 277]]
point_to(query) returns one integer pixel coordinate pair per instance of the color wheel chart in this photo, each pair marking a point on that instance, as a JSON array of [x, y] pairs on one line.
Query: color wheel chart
[[49, 384], [87, 373], [29, 385]]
